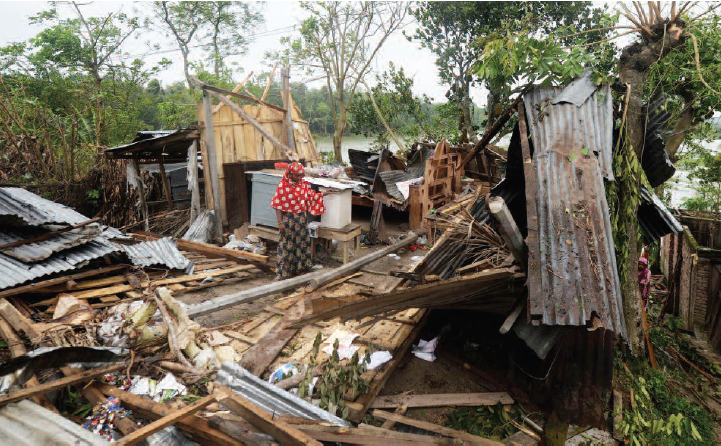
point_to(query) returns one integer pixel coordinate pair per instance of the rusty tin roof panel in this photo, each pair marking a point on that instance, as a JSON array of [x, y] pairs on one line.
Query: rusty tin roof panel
[[572, 262], [14, 272], [21, 207], [41, 250]]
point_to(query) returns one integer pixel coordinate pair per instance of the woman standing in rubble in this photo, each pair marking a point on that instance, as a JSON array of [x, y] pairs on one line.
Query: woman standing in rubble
[[293, 200]]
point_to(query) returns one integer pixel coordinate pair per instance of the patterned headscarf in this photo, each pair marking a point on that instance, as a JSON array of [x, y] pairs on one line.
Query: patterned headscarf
[[297, 197]]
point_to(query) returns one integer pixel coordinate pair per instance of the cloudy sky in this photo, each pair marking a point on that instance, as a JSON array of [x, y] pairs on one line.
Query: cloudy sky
[[281, 17]]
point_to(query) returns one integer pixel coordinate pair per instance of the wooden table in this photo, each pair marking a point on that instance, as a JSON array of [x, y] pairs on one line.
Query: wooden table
[[346, 235]]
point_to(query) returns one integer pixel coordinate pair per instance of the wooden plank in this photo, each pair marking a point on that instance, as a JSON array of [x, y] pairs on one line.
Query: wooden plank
[[166, 183], [511, 319], [214, 251], [253, 294], [58, 280], [19, 322], [442, 400], [140, 190], [193, 424], [366, 434], [281, 431], [58, 384], [17, 348], [162, 423], [162, 282], [266, 349], [212, 166], [448, 432]]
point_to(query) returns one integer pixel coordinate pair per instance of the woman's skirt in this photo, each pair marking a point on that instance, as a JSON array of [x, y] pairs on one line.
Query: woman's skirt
[[294, 248]]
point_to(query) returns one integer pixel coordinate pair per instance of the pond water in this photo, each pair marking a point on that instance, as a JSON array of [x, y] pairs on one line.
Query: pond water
[[681, 187]]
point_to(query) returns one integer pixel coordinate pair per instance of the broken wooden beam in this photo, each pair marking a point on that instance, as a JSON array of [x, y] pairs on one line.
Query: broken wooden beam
[[367, 434], [357, 264], [58, 384], [281, 431], [509, 230], [253, 294], [16, 347], [442, 400], [162, 423], [448, 432]]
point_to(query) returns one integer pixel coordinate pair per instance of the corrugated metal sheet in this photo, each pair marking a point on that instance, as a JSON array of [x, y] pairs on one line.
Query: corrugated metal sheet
[[35, 252], [163, 251], [364, 164], [655, 219], [14, 272], [25, 422], [572, 262], [271, 398], [21, 207]]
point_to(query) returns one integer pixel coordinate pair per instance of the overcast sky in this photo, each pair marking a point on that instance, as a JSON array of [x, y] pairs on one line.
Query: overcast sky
[[280, 18]]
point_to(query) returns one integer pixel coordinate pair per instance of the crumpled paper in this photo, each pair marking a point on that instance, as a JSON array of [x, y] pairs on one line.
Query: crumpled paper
[[424, 350]]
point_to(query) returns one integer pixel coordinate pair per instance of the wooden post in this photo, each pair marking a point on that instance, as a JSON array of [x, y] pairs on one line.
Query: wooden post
[[212, 168], [509, 230], [288, 106], [166, 183], [140, 189], [193, 183], [415, 217]]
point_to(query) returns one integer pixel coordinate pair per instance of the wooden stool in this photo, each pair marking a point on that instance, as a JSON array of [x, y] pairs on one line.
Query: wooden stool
[[344, 235]]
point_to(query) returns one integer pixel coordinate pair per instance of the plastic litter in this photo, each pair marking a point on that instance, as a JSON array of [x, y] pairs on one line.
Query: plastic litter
[[424, 350], [159, 391], [379, 358], [284, 371], [101, 421]]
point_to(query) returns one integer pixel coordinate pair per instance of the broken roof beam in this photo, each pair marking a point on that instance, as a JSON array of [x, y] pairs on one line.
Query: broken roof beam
[[495, 128], [509, 230]]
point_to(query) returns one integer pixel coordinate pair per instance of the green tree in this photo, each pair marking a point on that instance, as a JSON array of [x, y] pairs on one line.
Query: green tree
[[390, 107], [708, 172], [457, 32], [341, 40], [222, 26], [83, 45]]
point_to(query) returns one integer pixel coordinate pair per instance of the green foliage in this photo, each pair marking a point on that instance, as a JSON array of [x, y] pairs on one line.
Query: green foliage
[[337, 381], [623, 197], [660, 417], [511, 55], [708, 172], [501, 42], [408, 116], [492, 422]]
